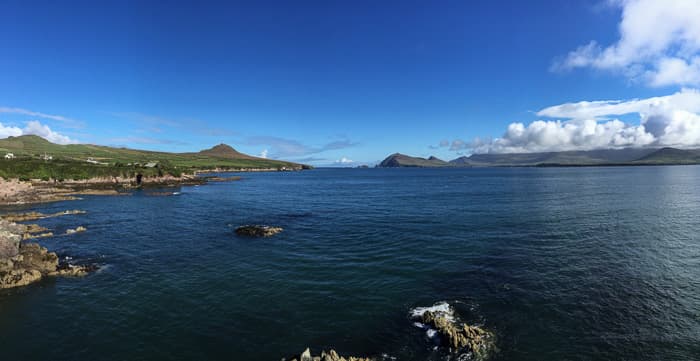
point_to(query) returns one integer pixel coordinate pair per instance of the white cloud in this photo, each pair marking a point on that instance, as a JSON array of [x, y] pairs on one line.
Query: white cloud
[[9, 131], [659, 43], [672, 120], [263, 154], [36, 128], [344, 160]]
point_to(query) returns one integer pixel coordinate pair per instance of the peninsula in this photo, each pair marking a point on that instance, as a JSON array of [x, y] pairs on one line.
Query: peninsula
[[34, 170], [602, 157]]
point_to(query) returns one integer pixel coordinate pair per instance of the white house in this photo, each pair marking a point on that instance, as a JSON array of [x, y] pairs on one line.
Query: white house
[[90, 160], [47, 157], [9, 156]]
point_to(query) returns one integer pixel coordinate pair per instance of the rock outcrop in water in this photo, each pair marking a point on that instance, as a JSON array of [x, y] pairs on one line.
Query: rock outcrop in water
[[325, 356], [25, 263], [258, 231], [442, 322], [78, 229], [33, 216]]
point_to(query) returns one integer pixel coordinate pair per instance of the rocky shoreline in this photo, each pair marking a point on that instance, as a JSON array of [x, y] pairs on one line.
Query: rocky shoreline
[[14, 191], [331, 355], [23, 263]]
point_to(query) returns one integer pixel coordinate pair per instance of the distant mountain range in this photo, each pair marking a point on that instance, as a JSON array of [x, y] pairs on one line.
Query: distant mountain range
[[627, 156]]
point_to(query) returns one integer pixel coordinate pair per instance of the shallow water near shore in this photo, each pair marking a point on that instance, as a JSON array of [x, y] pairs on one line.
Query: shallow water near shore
[[560, 263]]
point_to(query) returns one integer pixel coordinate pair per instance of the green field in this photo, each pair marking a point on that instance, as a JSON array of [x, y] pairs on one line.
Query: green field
[[71, 161]]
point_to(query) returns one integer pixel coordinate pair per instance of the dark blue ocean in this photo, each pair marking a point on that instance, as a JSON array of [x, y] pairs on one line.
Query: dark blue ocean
[[560, 263]]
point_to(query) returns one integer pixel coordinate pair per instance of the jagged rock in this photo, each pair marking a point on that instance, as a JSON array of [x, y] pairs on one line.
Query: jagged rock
[[76, 230], [10, 237], [70, 270], [35, 236], [25, 263], [331, 355], [258, 230], [34, 228], [459, 336]]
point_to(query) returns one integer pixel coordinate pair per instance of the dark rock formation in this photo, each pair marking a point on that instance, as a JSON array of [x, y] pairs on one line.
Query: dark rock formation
[[258, 231]]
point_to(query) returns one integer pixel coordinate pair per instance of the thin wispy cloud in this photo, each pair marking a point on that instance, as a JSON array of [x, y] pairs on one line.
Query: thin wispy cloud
[[67, 122], [658, 44], [145, 140], [285, 148], [158, 124]]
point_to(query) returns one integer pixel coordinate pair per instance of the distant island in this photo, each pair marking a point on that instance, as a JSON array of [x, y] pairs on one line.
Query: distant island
[[602, 157]]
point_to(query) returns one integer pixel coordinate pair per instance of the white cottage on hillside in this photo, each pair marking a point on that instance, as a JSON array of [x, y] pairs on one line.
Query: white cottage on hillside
[[9, 156]]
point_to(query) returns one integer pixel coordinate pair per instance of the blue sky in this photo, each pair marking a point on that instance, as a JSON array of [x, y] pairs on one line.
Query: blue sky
[[322, 81]]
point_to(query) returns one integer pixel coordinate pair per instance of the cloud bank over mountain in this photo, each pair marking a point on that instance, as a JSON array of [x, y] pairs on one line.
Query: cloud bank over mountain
[[671, 120]]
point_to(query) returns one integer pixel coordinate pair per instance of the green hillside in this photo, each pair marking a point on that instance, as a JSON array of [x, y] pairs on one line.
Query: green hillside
[[71, 161]]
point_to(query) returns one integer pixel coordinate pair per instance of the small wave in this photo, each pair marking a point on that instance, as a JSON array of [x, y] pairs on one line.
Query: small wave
[[442, 307], [103, 268]]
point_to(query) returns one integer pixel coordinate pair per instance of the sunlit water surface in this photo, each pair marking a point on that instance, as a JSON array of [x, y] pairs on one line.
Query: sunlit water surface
[[561, 263]]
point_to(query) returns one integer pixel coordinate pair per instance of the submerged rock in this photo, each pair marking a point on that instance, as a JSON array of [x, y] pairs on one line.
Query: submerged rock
[[258, 231], [331, 355], [458, 336]]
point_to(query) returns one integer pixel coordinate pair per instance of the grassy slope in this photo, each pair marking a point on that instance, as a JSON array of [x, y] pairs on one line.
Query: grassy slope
[[69, 161]]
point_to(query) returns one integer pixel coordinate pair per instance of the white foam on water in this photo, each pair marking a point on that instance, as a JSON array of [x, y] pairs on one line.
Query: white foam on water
[[443, 308]]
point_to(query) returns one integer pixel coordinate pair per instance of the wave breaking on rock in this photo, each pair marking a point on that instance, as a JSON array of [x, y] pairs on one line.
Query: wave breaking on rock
[[442, 323]]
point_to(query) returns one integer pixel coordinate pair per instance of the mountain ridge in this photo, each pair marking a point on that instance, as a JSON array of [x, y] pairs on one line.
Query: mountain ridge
[[598, 157]]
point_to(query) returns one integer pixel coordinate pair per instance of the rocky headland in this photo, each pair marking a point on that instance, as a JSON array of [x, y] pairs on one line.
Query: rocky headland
[[23, 263]]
